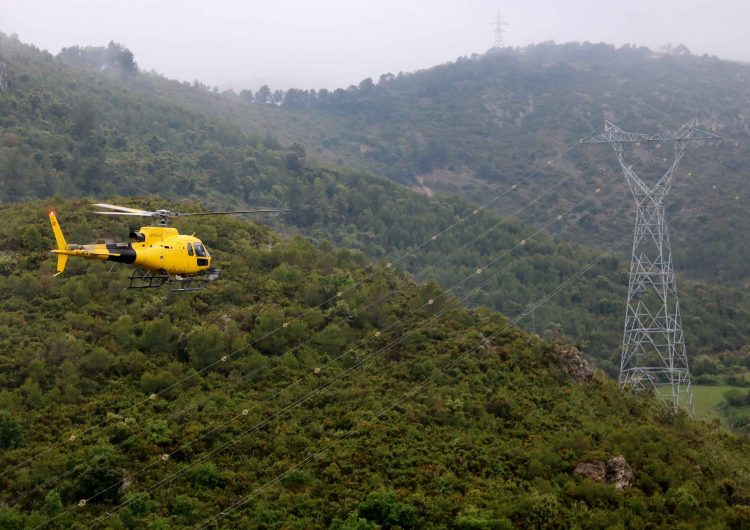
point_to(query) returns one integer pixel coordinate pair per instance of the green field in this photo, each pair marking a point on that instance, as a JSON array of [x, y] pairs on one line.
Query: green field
[[707, 399]]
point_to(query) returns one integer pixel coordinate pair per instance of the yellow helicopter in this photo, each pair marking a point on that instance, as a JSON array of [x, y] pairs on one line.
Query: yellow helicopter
[[160, 253]]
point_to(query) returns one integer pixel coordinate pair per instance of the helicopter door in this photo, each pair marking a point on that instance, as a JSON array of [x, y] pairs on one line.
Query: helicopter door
[[189, 259]]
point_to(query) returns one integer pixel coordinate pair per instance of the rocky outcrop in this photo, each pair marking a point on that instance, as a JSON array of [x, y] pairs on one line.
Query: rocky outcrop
[[619, 473], [616, 472], [595, 471], [570, 360]]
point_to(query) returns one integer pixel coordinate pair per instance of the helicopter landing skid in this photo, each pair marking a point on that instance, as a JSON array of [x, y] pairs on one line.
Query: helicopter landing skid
[[142, 279], [191, 283]]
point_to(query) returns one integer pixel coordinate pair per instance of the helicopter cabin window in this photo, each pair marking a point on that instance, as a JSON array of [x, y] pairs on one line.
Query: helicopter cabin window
[[199, 250], [190, 249]]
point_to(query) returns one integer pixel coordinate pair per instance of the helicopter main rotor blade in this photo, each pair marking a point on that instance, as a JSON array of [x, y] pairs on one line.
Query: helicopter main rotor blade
[[256, 210], [123, 209], [134, 214]]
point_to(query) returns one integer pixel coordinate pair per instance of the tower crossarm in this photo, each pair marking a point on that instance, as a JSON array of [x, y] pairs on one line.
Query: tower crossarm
[[618, 137], [614, 134]]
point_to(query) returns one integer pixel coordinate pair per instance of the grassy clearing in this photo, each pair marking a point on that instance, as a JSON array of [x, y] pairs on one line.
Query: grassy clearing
[[707, 399]]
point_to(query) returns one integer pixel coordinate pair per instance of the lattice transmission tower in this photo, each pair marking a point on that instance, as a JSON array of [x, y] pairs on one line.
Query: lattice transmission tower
[[499, 24], [653, 346]]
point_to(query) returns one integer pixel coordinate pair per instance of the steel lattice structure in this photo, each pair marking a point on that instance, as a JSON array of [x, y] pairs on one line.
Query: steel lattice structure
[[499, 32], [653, 346]]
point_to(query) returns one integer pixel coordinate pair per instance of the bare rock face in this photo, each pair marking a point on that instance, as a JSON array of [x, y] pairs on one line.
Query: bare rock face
[[619, 473], [616, 472], [570, 360], [591, 470]]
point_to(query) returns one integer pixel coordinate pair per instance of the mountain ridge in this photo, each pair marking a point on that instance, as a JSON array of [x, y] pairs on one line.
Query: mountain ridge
[[275, 398], [76, 132], [466, 126]]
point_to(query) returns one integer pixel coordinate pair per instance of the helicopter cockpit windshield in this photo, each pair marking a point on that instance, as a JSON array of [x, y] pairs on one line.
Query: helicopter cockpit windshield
[[200, 250]]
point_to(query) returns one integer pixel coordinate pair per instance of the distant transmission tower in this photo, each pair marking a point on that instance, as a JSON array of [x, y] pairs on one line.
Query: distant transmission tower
[[653, 347], [499, 32]]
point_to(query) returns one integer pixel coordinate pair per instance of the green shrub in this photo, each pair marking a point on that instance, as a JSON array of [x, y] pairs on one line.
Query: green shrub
[[100, 475], [11, 435], [385, 509], [206, 475]]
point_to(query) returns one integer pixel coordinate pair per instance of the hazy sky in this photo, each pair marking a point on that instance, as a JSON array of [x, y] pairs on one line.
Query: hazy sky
[[332, 43]]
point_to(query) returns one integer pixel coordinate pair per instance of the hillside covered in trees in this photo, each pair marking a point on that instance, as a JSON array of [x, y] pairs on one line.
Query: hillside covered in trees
[[310, 388], [481, 123], [70, 131]]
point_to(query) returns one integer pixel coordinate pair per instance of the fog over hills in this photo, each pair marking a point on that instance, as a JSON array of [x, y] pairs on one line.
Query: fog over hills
[[387, 354], [91, 129], [336, 43], [478, 124]]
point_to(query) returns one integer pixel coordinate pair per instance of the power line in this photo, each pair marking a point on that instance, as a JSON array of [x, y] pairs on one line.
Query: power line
[[417, 387], [304, 398], [537, 231], [72, 437], [245, 378]]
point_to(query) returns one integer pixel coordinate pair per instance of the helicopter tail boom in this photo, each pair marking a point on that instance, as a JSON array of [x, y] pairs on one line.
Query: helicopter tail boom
[[62, 259]]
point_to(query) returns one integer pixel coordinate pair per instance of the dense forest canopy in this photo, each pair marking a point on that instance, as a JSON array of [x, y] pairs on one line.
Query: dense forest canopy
[[162, 410], [314, 385], [82, 131]]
